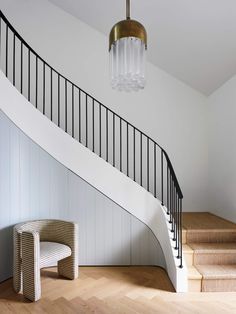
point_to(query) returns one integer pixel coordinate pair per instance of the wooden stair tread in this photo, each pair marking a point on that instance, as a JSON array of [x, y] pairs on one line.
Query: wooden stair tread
[[211, 230], [224, 247], [217, 271], [206, 221]]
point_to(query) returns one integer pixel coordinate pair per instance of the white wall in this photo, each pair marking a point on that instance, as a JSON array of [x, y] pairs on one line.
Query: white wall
[[34, 185], [169, 111], [222, 150]]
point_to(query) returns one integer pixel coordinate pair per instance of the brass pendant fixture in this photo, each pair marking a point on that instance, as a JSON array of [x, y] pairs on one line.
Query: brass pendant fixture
[[127, 49]]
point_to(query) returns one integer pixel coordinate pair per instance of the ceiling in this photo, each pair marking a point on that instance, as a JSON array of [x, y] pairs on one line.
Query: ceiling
[[193, 40]]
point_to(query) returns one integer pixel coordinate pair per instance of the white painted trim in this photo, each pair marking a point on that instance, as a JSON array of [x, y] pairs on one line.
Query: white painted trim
[[97, 172]]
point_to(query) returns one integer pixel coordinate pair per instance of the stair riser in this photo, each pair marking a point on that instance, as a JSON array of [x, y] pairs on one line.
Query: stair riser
[[214, 259], [210, 237], [194, 285], [219, 285], [184, 236], [188, 257]]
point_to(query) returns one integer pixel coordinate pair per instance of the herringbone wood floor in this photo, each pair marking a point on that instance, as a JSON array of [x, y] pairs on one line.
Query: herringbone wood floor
[[108, 290]]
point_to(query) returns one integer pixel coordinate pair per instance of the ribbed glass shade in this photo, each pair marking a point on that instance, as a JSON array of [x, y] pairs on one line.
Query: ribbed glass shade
[[127, 64]]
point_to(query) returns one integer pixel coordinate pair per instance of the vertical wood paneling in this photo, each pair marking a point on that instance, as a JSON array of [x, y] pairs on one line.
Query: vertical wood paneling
[[33, 185], [5, 231], [58, 191], [14, 159], [34, 173], [107, 227], [90, 224], [101, 230], [25, 210], [44, 185]]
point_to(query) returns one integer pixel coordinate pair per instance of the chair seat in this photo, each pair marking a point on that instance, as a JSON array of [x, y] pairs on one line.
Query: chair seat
[[52, 252]]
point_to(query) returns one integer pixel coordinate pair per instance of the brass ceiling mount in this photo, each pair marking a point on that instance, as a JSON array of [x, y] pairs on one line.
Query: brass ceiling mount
[[127, 28]]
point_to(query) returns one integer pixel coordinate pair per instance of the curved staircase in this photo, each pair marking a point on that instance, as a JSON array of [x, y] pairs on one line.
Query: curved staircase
[[94, 142]]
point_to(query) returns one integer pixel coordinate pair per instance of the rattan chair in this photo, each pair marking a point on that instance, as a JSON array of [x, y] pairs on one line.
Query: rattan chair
[[39, 244]]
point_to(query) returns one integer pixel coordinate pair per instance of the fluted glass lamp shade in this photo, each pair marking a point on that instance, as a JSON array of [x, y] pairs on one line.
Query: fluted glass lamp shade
[[127, 50], [127, 64]]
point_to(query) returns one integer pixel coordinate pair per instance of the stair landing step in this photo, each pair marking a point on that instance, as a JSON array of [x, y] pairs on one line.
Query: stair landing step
[[206, 227], [216, 272], [206, 221]]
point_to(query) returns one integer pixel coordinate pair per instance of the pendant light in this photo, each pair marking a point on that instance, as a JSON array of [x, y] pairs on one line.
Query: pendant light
[[127, 50]]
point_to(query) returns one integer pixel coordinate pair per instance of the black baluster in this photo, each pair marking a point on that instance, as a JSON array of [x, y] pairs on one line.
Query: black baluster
[[73, 110], [127, 149], [174, 213], [51, 98], [134, 153], [172, 206], [36, 83], [21, 69], [120, 144], [171, 186], [180, 241], [86, 119], [66, 106], [100, 130], [14, 59], [168, 192], [141, 159], [79, 116], [177, 217], [148, 164], [58, 107], [177, 222], [7, 51], [0, 40], [44, 88], [155, 170], [178, 227], [93, 126], [28, 74], [114, 142], [178, 205], [106, 134], [162, 200]]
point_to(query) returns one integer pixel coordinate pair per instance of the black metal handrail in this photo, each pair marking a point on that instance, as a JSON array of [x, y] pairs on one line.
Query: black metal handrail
[[94, 125]]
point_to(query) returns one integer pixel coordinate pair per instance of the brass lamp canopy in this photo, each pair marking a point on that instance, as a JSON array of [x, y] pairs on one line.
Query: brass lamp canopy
[[127, 28]]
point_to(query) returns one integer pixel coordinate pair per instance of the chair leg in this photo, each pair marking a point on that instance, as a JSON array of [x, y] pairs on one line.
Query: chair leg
[[68, 267], [31, 265]]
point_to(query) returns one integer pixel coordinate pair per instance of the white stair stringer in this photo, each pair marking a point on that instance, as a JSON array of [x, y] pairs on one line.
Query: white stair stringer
[[93, 169]]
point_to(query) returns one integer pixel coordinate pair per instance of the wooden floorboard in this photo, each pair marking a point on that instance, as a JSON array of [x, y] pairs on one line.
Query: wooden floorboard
[[107, 290]]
